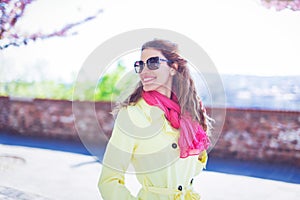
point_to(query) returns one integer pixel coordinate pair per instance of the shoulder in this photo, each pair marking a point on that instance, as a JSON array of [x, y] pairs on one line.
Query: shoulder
[[140, 114]]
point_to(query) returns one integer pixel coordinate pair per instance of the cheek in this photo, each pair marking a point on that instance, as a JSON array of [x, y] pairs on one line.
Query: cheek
[[163, 75], [164, 78]]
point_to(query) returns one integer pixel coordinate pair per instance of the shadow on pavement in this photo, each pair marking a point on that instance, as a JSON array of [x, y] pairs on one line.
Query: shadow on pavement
[[279, 172]]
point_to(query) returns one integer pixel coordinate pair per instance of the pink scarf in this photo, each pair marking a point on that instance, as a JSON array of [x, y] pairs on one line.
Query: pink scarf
[[193, 139]]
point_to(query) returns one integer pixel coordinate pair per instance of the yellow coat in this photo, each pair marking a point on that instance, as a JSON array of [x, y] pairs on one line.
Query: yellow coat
[[145, 143]]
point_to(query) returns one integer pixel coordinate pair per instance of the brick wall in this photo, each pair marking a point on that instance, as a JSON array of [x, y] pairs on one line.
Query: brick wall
[[262, 135], [248, 134], [53, 118]]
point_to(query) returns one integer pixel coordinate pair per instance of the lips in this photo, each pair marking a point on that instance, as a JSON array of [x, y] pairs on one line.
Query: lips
[[148, 79]]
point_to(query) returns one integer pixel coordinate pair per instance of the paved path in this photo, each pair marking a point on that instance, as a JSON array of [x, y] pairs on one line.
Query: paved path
[[34, 173], [7, 193], [49, 173]]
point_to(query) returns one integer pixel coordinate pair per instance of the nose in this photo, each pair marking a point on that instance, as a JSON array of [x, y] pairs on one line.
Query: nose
[[145, 69]]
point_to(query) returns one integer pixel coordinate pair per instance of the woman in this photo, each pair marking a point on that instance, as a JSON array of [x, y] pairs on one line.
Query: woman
[[161, 129]]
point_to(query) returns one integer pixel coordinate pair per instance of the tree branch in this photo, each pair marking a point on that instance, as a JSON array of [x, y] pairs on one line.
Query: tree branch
[[12, 10]]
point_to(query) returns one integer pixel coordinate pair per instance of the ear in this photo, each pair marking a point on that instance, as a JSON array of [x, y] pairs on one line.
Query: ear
[[173, 69], [175, 66]]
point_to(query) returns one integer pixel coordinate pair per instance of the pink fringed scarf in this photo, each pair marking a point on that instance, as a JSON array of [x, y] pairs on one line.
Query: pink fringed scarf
[[193, 139]]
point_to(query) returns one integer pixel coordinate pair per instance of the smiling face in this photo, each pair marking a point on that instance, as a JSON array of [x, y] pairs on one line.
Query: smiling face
[[159, 79]]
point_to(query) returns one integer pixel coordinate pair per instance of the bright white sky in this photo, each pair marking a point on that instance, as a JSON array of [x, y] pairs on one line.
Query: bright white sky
[[241, 37]]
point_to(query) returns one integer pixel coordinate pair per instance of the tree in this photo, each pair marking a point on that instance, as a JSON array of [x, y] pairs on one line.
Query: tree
[[282, 4], [11, 11]]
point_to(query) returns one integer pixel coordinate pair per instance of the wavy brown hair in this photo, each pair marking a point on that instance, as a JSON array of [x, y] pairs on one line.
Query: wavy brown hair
[[183, 85]]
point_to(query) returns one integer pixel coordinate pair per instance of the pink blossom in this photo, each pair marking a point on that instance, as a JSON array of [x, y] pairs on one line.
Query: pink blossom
[[282, 4]]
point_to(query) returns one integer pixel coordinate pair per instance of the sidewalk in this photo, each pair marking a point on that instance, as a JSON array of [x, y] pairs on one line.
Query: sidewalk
[[7, 193], [55, 175], [49, 173]]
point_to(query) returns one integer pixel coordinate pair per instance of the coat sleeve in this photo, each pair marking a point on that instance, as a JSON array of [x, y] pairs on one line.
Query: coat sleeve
[[117, 157]]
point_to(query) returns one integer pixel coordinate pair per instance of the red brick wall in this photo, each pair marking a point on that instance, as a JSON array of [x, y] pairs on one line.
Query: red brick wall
[[53, 118], [249, 134], [262, 135]]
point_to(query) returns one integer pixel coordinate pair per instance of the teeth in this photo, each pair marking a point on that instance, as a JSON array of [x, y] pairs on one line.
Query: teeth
[[148, 79]]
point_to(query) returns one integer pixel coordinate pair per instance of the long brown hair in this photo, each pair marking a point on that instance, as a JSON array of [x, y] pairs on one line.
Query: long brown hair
[[183, 85]]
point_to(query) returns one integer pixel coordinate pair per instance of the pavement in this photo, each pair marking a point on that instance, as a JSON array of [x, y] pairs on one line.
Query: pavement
[[33, 170], [7, 193]]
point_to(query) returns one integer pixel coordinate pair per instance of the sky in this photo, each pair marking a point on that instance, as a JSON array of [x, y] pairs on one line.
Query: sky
[[241, 37]]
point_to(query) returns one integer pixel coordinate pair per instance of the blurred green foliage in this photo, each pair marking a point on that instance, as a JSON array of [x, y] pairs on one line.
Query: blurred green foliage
[[44, 89], [107, 88]]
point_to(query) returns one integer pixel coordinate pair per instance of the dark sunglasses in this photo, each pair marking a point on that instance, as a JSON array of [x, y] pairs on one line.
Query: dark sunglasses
[[152, 64]]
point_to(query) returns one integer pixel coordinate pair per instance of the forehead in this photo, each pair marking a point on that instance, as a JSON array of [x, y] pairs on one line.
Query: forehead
[[148, 53]]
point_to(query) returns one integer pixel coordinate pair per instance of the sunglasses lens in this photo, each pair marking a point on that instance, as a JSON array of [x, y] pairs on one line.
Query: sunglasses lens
[[138, 66], [153, 63]]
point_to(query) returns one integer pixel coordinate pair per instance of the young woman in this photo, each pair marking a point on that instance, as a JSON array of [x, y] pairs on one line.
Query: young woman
[[161, 130]]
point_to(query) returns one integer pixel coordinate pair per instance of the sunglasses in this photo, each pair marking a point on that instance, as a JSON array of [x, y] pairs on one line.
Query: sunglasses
[[152, 64]]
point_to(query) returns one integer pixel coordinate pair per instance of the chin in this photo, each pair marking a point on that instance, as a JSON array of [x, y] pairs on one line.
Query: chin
[[147, 88]]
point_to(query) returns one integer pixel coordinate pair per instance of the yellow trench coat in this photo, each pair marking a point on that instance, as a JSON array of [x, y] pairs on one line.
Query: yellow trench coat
[[143, 142]]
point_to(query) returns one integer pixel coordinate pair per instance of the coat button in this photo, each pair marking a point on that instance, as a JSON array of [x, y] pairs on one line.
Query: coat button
[[174, 145], [180, 188]]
